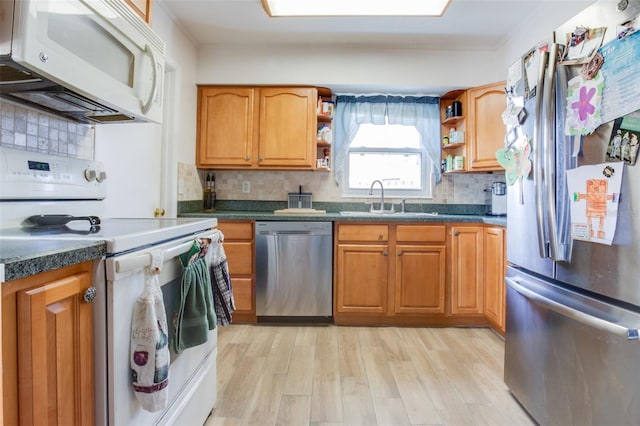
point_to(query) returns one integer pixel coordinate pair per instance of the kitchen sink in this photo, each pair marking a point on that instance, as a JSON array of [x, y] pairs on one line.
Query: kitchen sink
[[386, 214]]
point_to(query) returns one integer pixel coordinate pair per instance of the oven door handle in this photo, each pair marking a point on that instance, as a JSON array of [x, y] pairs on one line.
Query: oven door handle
[[143, 260], [575, 314]]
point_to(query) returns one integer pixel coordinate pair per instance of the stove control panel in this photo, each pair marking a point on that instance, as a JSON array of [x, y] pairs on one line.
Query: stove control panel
[[26, 175]]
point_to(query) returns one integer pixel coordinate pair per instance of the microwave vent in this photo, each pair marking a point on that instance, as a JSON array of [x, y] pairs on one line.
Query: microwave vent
[[112, 118], [14, 75]]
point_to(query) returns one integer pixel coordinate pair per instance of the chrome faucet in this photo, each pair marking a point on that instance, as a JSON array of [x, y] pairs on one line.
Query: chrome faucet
[[381, 195]]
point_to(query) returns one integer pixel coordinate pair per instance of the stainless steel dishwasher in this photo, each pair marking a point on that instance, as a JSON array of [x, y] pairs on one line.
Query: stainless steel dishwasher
[[294, 271]]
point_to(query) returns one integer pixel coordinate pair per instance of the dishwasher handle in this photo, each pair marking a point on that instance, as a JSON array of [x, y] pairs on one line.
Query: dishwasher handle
[[575, 314], [285, 233]]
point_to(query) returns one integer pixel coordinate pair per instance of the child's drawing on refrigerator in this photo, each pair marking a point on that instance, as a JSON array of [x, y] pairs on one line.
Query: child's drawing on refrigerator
[[594, 201]]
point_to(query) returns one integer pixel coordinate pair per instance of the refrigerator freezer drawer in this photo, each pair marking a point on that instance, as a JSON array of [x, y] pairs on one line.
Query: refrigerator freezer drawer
[[570, 359]]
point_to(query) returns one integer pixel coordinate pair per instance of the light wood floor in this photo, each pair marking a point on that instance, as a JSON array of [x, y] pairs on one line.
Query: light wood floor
[[330, 375]]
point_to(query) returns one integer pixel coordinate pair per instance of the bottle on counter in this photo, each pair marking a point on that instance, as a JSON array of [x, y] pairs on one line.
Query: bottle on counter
[[213, 191], [206, 195]]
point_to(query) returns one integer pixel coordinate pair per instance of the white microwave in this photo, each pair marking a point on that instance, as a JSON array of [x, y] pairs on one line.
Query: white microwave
[[94, 61]]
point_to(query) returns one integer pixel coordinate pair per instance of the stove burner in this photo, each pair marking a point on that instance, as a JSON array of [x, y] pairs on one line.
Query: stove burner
[[44, 231], [58, 220]]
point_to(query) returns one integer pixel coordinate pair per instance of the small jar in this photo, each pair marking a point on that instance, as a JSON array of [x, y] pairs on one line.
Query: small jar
[[445, 140]]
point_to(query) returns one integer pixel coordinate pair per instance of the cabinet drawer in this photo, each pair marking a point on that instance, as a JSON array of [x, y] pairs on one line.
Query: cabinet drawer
[[242, 293], [363, 233], [421, 233], [239, 257], [236, 230]]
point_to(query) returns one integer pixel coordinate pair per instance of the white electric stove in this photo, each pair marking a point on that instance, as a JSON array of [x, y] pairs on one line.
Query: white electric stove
[[35, 184]]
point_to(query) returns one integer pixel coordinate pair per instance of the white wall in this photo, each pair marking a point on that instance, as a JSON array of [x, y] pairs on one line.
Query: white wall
[[378, 70], [538, 27], [349, 68], [132, 152]]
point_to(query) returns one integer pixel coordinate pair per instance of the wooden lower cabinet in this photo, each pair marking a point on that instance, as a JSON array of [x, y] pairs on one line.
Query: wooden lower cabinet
[[420, 272], [239, 247], [362, 278], [47, 348], [420, 279], [389, 274], [494, 273], [467, 270]]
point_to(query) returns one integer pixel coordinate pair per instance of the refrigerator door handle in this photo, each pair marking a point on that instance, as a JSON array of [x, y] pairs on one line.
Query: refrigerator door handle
[[582, 317], [549, 177], [538, 154]]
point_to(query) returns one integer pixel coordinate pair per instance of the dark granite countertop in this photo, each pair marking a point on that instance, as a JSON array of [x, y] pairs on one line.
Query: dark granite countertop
[[337, 217], [22, 258], [264, 210]]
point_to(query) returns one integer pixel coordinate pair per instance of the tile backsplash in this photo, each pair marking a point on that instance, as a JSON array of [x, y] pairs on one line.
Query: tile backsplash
[[33, 130], [274, 186]]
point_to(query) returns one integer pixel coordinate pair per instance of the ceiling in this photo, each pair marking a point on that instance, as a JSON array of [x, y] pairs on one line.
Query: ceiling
[[466, 25]]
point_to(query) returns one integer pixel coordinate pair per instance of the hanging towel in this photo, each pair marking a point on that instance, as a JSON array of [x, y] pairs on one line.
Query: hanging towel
[[149, 351], [221, 283], [195, 315]]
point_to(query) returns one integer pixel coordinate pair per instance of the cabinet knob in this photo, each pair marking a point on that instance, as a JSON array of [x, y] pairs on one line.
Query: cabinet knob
[[260, 158], [400, 253], [384, 253], [89, 295], [456, 233], [247, 158]]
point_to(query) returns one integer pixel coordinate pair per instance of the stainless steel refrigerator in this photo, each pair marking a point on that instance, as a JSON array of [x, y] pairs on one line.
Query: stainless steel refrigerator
[[572, 354]]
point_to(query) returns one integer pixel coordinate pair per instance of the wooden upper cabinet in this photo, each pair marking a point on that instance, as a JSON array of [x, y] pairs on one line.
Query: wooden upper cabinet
[[225, 127], [47, 348], [485, 129], [256, 127], [142, 8], [287, 127]]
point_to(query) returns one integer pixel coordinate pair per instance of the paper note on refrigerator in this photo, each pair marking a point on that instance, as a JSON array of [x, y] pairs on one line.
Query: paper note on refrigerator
[[621, 93], [595, 192]]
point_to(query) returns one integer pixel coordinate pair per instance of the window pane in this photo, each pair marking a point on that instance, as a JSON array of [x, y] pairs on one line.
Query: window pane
[[395, 170], [386, 136]]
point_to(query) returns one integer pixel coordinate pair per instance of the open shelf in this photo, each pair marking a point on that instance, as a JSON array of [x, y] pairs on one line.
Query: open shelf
[[452, 145], [453, 121]]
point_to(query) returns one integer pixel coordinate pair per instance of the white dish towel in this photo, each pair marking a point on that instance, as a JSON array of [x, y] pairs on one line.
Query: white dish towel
[[150, 342]]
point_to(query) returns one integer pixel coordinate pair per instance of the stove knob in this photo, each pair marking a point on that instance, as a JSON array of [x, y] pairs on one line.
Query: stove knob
[[89, 175], [101, 176]]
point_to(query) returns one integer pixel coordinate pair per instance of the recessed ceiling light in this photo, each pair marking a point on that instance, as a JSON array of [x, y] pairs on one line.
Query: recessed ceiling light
[[355, 7]]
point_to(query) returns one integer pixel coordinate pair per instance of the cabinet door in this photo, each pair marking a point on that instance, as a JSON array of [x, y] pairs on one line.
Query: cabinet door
[[287, 128], [226, 117], [362, 278], [494, 271], [484, 126], [467, 257], [142, 8], [420, 279], [55, 346], [239, 248]]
